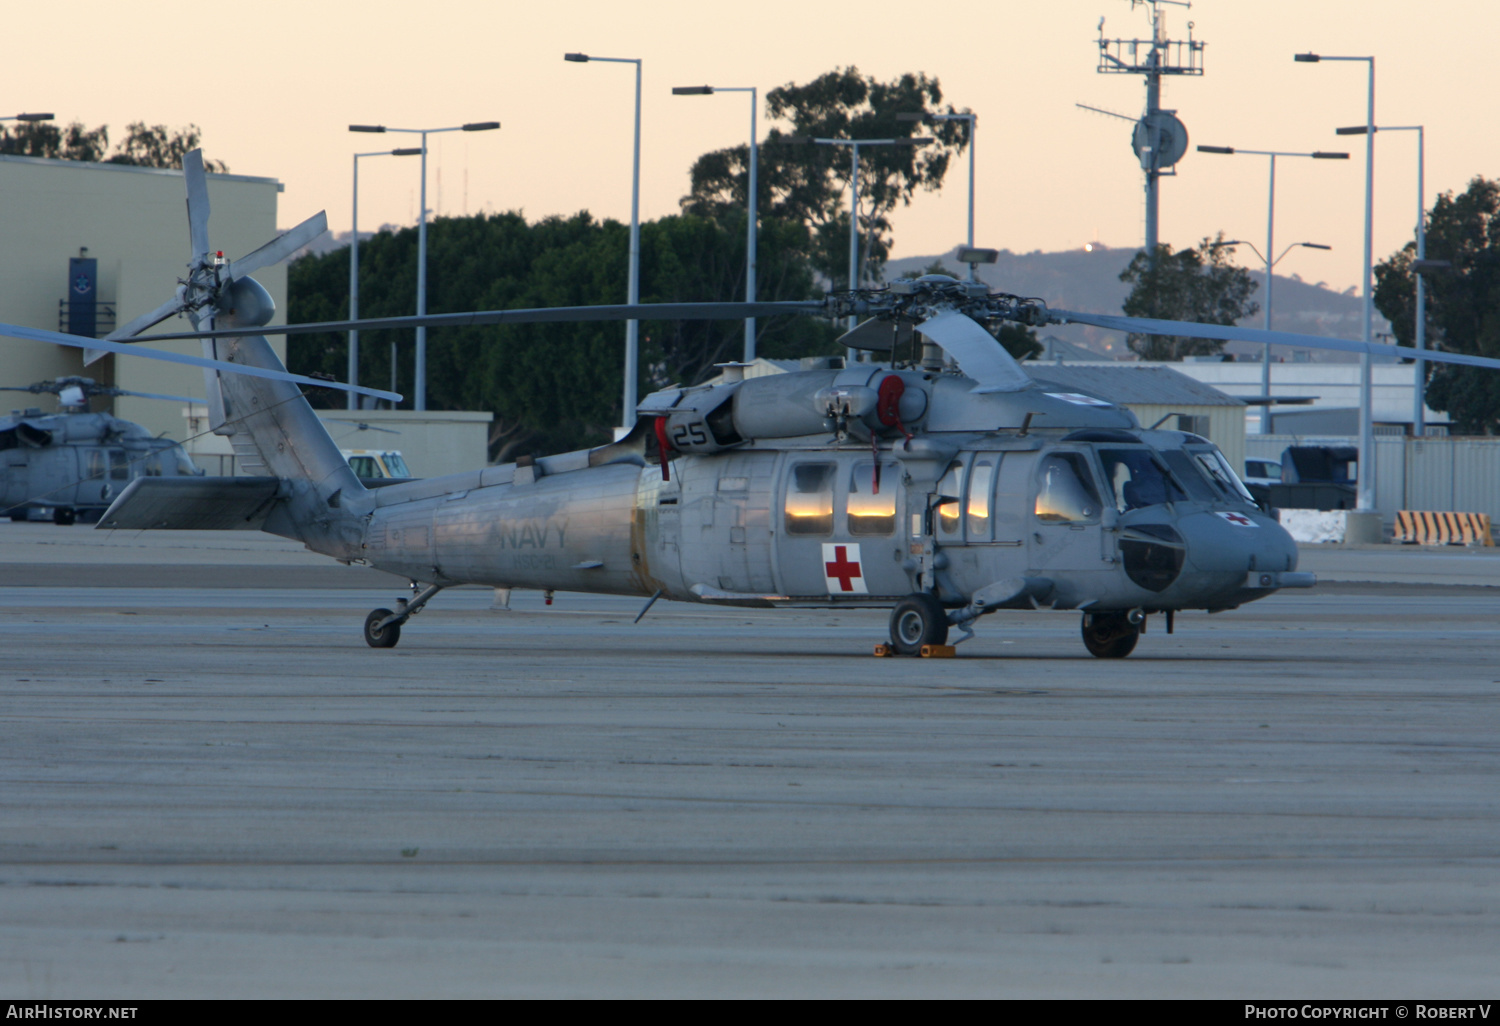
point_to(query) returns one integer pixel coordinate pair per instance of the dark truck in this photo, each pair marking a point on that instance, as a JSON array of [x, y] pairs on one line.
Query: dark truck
[[1312, 477]]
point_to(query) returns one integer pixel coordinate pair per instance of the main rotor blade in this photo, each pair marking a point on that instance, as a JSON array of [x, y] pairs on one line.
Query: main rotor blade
[[281, 247], [154, 395], [978, 352], [79, 342], [1234, 333], [621, 312], [197, 204]]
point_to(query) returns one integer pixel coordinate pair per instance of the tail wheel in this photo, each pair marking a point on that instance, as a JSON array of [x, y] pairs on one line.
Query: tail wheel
[[63, 517], [916, 621], [1109, 635], [377, 636]]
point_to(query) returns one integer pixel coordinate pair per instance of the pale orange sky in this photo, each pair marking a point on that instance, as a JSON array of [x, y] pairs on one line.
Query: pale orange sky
[[274, 85]]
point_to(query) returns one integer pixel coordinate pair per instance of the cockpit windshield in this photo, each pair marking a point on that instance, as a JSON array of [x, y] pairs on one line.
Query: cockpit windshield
[[1138, 479], [1219, 471]]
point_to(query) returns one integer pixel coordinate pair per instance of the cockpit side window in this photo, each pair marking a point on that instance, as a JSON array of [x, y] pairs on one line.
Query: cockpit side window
[[1065, 493], [1137, 480]]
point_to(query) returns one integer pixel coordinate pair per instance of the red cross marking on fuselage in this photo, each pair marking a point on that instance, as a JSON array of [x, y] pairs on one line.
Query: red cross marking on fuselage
[[841, 568], [1236, 518]]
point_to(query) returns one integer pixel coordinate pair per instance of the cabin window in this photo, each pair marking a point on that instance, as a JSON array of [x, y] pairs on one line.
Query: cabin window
[[1066, 494], [363, 466], [1136, 479], [96, 465], [872, 512], [809, 499], [153, 466], [951, 487], [119, 465], [396, 465], [981, 482]]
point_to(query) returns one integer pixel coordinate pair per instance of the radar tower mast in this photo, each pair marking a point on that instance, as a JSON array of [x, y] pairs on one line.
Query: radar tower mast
[[1159, 139]]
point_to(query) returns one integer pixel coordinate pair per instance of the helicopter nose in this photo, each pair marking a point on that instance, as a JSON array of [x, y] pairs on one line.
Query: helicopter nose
[[1226, 541]]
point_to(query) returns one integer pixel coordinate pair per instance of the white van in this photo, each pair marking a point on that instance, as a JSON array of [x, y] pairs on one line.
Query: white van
[[376, 463]]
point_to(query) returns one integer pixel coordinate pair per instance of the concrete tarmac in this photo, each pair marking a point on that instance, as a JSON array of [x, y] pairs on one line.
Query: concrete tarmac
[[210, 787]]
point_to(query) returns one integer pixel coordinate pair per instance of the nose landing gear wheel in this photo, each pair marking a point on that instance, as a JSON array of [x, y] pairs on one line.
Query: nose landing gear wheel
[[916, 621], [381, 637], [1109, 635]]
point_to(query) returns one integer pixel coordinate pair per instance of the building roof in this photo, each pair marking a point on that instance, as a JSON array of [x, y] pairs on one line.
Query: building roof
[[86, 165], [1126, 383]]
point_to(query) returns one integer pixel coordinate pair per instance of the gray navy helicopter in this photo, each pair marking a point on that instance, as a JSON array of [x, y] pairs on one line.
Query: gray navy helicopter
[[73, 463], [942, 482]]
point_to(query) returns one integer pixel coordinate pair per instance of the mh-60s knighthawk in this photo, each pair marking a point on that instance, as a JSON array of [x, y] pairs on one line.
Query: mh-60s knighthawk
[[942, 482], [75, 462]]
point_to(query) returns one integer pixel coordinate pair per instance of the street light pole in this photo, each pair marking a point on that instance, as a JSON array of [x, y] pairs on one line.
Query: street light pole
[[419, 387], [1265, 365], [1365, 500], [973, 120], [752, 198], [632, 327], [854, 262], [1419, 408], [353, 376]]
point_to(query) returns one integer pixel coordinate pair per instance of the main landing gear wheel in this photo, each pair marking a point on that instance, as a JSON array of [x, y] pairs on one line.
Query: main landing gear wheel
[[63, 517], [916, 621], [1109, 635], [381, 637]]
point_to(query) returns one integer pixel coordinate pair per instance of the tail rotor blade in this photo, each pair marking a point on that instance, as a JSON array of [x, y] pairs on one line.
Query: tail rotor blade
[[145, 321], [281, 247], [197, 205], [980, 355], [93, 355]]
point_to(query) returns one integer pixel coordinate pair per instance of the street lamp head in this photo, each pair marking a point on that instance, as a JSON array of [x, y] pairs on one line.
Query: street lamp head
[[914, 142], [33, 117], [1321, 155], [978, 256], [580, 58], [1306, 58], [1227, 242], [481, 126], [1215, 149], [1353, 130], [1314, 245], [367, 128], [410, 151], [1428, 266], [692, 90]]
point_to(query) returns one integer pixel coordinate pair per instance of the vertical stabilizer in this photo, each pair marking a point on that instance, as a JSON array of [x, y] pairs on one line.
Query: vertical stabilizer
[[275, 433]]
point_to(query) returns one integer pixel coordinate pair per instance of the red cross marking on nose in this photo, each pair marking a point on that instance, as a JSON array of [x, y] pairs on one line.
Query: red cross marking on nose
[[841, 568], [1236, 518]]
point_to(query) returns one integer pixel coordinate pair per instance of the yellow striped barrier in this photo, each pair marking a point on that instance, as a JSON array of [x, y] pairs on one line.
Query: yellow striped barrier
[[1424, 527]]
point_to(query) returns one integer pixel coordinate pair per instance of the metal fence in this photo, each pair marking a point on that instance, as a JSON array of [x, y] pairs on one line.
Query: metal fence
[[1432, 473]]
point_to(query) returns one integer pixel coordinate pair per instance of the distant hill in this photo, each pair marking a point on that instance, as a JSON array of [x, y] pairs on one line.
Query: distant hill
[[1084, 280]]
